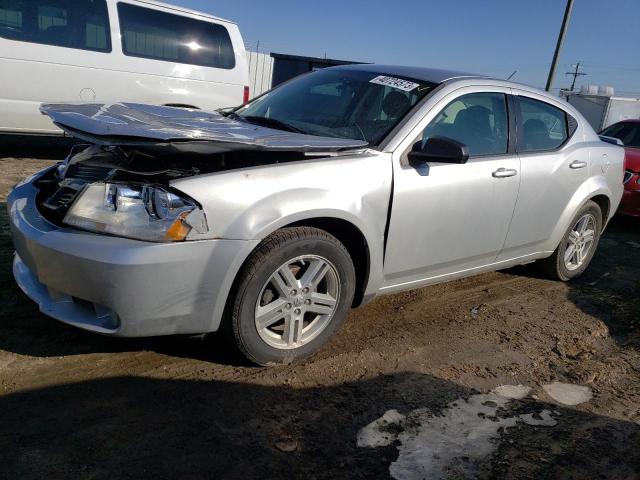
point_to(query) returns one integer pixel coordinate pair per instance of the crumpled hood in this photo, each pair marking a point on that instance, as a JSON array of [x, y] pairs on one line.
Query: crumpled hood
[[135, 123]]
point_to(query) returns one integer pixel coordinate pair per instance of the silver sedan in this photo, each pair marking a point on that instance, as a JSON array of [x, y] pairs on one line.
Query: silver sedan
[[272, 220]]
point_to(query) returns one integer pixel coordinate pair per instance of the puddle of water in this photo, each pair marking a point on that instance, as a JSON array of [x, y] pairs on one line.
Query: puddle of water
[[568, 394], [453, 443]]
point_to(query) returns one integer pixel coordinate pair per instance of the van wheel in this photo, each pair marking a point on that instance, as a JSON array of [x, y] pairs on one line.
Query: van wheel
[[292, 295], [579, 244]]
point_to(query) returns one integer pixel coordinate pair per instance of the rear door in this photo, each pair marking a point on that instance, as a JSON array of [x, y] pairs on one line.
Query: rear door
[[449, 218], [553, 168]]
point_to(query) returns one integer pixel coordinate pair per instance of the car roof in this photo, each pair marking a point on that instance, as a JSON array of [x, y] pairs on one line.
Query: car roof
[[432, 75], [186, 10], [437, 76]]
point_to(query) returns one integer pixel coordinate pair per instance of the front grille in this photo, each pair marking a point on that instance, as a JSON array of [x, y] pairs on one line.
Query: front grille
[[628, 174], [60, 186], [88, 173], [61, 199]]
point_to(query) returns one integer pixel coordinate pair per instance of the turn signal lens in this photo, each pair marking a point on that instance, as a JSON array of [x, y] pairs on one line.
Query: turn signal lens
[[179, 230]]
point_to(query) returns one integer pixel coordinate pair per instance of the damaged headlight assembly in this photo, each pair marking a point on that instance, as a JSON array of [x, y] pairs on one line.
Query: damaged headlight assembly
[[141, 212]]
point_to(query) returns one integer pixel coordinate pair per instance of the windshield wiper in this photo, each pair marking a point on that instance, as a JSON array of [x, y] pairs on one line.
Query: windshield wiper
[[272, 123]]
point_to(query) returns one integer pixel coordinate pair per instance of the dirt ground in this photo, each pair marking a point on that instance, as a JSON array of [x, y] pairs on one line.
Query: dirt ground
[[78, 405]]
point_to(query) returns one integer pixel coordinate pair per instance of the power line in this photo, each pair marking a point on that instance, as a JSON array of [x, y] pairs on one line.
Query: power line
[[576, 73]]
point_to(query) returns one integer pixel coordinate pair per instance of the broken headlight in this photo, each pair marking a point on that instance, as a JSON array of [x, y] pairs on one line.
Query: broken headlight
[[136, 211]]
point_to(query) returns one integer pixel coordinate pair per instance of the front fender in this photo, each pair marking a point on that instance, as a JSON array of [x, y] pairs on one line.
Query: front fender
[[252, 203], [275, 211]]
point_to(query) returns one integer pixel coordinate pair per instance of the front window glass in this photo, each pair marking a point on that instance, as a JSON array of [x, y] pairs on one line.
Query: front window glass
[[80, 24], [544, 127], [478, 120], [338, 103], [627, 132], [149, 33]]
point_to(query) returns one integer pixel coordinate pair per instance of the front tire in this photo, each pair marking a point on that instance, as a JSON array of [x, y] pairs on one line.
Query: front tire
[[292, 295], [578, 246]]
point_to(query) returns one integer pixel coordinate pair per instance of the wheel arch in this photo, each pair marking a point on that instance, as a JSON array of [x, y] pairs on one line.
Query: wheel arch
[[354, 241], [597, 193], [604, 203], [346, 232]]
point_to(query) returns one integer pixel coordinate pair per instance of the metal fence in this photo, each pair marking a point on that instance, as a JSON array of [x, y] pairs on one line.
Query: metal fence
[[260, 72]]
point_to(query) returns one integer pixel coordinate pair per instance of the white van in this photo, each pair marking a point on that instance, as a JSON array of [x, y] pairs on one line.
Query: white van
[[114, 51]]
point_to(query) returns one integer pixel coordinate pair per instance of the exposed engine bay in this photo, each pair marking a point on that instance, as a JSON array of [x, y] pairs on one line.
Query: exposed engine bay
[[156, 166], [140, 145]]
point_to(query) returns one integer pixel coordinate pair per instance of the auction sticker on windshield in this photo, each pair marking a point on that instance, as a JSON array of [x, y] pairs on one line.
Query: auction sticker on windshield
[[400, 84]]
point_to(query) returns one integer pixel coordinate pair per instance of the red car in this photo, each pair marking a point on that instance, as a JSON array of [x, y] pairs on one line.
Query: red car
[[628, 132]]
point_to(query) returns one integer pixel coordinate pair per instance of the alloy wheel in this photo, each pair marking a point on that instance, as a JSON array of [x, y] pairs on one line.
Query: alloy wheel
[[297, 302], [580, 241]]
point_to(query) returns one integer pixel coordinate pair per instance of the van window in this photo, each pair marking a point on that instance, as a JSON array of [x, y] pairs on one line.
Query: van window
[[159, 35], [80, 24]]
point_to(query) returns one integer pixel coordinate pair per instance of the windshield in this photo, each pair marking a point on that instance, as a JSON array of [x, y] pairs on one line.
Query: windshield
[[628, 132], [338, 103]]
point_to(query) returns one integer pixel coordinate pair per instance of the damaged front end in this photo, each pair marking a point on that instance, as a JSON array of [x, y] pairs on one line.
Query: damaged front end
[[99, 190], [119, 183]]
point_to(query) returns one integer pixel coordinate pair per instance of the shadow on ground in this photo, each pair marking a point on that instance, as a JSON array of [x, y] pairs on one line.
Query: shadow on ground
[[132, 427], [35, 146]]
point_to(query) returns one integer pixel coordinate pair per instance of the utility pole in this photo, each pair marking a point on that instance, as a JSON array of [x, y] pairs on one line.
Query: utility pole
[[556, 55], [576, 73]]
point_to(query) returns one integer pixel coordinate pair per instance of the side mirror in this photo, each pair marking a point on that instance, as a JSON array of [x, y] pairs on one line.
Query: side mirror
[[438, 149]]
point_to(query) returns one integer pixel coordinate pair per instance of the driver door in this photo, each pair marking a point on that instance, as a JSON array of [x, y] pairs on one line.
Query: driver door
[[450, 219]]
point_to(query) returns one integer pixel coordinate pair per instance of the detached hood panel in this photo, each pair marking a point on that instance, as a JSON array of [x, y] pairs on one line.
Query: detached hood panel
[[139, 124]]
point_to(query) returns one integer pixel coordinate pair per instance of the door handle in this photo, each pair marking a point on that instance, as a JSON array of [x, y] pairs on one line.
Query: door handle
[[504, 173], [577, 164]]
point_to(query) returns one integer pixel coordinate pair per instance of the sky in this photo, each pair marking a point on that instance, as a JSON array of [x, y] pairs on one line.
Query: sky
[[492, 37]]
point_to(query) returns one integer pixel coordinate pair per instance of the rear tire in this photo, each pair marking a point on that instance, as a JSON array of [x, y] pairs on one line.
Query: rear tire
[[577, 247], [292, 295]]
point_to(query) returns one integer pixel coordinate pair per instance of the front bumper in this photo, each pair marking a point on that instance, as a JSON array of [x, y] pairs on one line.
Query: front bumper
[[118, 286]]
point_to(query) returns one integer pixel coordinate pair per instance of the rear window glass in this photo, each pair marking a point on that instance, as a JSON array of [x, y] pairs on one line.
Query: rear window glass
[[157, 35], [544, 127], [80, 24]]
